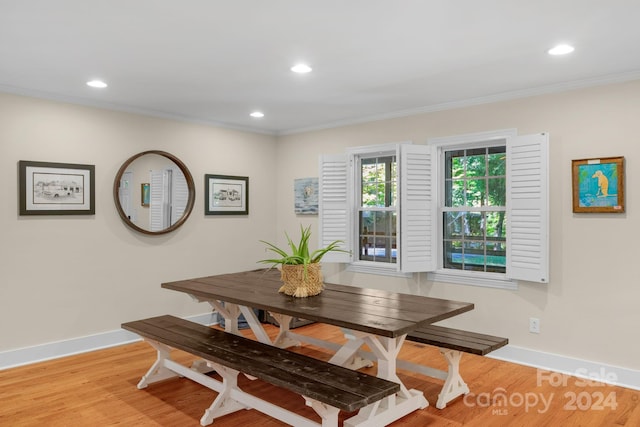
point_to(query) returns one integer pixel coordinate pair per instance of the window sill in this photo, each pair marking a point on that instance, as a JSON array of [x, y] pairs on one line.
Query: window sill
[[486, 280], [375, 268]]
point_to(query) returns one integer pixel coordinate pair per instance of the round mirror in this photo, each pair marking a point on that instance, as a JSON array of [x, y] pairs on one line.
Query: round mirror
[[154, 192]]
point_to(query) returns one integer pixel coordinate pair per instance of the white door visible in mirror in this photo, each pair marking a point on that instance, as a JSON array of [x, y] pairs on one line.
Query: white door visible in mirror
[[125, 195]]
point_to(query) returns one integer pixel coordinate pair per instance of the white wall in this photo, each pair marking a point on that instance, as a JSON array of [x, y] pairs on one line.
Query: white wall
[[589, 309], [115, 273]]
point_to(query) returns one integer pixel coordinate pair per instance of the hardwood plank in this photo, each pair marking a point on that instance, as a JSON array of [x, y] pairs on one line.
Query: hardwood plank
[[99, 389]]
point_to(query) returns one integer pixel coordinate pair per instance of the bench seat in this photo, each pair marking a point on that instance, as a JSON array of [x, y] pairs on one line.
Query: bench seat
[[452, 343], [456, 339], [327, 388]]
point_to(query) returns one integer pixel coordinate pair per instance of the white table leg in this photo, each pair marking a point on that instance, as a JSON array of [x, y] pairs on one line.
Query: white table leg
[[255, 325], [345, 355], [230, 312], [393, 407], [284, 340]]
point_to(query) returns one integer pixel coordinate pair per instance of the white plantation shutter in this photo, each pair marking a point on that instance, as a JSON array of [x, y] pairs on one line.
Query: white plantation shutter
[[527, 208], [179, 195], [334, 205], [417, 209], [156, 201]]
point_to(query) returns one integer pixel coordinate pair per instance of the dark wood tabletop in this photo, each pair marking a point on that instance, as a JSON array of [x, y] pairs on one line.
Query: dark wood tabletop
[[378, 312]]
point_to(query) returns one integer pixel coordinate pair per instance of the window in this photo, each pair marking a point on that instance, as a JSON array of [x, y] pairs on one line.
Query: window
[[361, 204], [474, 209], [468, 209], [377, 210]]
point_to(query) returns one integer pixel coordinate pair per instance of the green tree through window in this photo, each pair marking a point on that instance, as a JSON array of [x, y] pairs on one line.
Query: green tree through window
[[474, 211], [377, 210]]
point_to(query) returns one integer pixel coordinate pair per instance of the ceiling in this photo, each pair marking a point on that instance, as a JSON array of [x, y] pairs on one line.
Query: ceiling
[[214, 61]]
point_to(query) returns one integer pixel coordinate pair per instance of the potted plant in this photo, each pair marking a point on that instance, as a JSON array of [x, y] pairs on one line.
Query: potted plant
[[300, 268]]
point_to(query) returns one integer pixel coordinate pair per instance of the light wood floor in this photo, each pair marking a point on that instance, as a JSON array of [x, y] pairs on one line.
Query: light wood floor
[[99, 389]]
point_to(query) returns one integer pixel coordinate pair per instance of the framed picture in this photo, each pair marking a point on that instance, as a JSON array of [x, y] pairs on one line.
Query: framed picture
[[226, 195], [305, 195], [145, 193], [56, 188], [598, 185]]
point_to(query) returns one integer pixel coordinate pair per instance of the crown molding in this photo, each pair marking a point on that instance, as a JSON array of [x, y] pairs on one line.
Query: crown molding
[[127, 109], [505, 96]]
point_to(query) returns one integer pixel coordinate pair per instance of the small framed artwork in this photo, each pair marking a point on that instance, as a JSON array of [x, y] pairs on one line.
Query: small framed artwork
[[226, 195], [145, 194], [305, 196], [56, 188], [598, 185]]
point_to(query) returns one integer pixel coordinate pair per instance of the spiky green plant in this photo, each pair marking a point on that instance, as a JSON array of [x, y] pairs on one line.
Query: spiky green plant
[[299, 253]]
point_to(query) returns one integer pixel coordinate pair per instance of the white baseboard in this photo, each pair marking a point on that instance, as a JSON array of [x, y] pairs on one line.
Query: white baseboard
[[55, 350], [609, 374], [592, 371]]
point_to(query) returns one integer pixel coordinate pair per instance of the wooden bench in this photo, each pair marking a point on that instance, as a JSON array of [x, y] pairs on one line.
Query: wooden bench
[[327, 388], [452, 343]]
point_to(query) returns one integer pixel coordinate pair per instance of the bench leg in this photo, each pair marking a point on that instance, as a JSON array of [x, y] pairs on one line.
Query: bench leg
[[230, 397], [223, 404], [453, 386], [158, 371], [328, 413]]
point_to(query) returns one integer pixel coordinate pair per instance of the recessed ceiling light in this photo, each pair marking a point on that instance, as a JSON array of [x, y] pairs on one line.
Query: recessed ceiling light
[[97, 84], [301, 68], [257, 114], [561, 49]]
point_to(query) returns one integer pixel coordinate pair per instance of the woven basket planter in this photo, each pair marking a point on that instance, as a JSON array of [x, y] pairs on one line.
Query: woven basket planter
[[301, 283]]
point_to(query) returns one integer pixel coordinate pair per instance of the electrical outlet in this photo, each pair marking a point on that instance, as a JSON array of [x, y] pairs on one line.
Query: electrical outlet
[[534, 325]]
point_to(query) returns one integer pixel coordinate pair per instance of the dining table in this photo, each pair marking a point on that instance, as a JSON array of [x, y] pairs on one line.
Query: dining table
[[370, 318]]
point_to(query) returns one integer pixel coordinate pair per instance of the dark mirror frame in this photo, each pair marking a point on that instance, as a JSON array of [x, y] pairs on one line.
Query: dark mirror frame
[[190, 185]]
